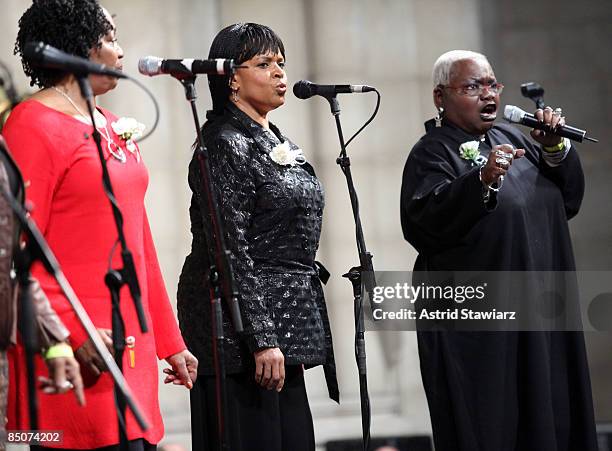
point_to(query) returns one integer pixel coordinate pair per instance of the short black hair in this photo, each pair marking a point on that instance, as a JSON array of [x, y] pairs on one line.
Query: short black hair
[[240, 42], [73, 26]]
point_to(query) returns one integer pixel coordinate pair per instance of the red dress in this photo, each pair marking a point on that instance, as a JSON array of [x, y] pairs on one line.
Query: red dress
[[63, 180]]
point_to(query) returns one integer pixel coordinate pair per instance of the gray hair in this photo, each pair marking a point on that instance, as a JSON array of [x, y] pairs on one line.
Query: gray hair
[[443, 65]]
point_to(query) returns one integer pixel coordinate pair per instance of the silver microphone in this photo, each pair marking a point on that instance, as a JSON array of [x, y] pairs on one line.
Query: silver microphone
[[516, 115], [153, 65]]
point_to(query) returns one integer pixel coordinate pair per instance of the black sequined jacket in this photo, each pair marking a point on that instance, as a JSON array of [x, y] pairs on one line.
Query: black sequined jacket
[[272, 216]]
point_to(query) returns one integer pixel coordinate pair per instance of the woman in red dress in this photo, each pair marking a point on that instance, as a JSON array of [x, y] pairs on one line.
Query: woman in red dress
[[50, 136]]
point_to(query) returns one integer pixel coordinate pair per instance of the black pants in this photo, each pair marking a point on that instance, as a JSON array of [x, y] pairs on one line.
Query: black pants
[[135, 445], [259, 419]]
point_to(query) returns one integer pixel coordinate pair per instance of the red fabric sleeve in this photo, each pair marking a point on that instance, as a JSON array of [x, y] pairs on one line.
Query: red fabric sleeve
[[168, 339], [39, 160], [43, 160]]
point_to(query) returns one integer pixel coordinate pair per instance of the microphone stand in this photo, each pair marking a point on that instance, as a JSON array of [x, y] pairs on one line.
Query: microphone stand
[[116, 278], [359, 276], [37, 249], [220, 273], [534, 92], [23, 262]]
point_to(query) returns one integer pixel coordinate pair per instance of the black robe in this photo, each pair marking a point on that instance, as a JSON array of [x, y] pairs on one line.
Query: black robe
[[497, 391]]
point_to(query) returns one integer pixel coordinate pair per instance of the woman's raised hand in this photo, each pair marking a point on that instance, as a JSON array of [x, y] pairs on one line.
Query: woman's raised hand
[[499, 162]]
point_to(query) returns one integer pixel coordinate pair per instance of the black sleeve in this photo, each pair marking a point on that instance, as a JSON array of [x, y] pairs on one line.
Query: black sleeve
[[568, 175], [234, 188], [438, 205]]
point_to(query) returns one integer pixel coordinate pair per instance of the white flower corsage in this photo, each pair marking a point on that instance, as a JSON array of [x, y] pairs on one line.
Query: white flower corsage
[[284, 155], [128, 129], [469, 151]]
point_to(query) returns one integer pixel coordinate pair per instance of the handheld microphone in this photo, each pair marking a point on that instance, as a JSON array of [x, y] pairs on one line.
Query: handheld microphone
[[516, 115], [44, 55], [152, 65], [304, 89]]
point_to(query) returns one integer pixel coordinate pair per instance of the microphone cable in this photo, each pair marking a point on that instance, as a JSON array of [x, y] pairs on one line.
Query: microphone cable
[[368, 121], [155, 106]]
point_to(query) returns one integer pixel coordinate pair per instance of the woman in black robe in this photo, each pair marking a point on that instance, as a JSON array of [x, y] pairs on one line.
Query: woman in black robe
[[483, 197]]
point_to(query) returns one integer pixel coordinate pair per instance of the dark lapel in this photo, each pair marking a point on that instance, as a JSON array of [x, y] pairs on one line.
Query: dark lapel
[[455, 133], [265, 142]]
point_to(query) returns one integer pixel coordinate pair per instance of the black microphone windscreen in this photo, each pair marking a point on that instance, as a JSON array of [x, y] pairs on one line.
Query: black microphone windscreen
[[33, 51], [303, 89], [39, 53]]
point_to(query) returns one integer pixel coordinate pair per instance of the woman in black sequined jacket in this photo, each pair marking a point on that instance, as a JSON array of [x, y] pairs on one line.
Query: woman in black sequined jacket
[[271, 206]]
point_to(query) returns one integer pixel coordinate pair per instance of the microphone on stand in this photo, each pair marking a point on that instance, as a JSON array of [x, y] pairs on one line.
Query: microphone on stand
[[305, 89], [535, 92], [153, 65], [45, 55], [516, 115]]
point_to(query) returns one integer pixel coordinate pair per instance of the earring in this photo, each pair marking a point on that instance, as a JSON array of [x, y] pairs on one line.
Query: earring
[[235, 96], [438, 118]]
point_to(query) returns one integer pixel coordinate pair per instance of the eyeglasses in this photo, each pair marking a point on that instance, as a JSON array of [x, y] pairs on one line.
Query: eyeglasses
[[477, 89]]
